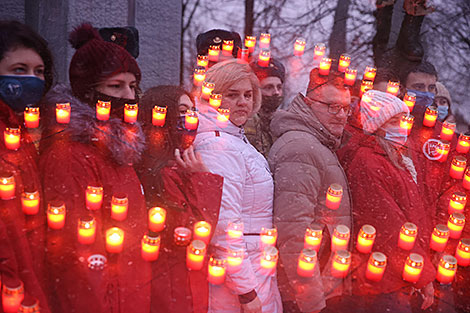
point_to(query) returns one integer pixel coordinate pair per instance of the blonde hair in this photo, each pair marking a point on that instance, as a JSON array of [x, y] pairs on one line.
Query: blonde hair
[[227, 73]]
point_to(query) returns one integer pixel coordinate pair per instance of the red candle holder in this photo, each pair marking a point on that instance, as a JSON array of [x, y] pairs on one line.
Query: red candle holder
[[214, 52], [202, 231], [462, 253], [159, 116], [456, 224], [341, 263], [376, 266], [344, 62], [223, 117], [7, 186], [457, 167], [62, 113], [216, 271], [439, 238], [407, 237], [319, 51], [457, 202], [466, 179], [215, 100], [264, 57], [243, 55], [334, 196], [12, 138], [206, 90], [234, 260], [56, 215], [313, 237], [94, 197], [365, 86], [340, 239], [268, 260], [86, 230], [150, 247], [227, 48], [430, 116], [410, 100], [393, 87], [413, 268], [447, 131], [443, 150], [203, 61], [366, 238], [114, 240], [191, 120], [195, 254], [31, 117], [350, 77], [130, 112], [299, 47], [463, 144], [406, 123], [324, 67], [369, 73], [199, 76], [234, 232], [182, 236], [268, 236], [30, 202], [103, 110], [307, 262], [250, 43], [12, 295], [157, 217], [446, 269], [29, 305], [264, 40], [119, 207]]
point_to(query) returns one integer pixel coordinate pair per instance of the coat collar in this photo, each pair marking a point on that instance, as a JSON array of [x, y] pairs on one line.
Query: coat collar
[[208, 122]]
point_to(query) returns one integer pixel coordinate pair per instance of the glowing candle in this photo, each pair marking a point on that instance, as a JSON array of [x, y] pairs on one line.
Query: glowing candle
[[199, 76], [324, 68], [456, 224], [250, 43], [130, 112], [243, 55], [410, 100], [12, 137], [457, 202], [334, 196], [191, 120], [227, 47], [29, 305], [344, 62], [319, 51], [159, 115], [216, 271], [307, 262], [369, 73], [103, 110], [195, 254], [439, 238], [182, 236], [264, 57], [7, 186], [150, 247], [340, 239], [376, 266], [413, 268], [94, 197], [119, 206], [202, 231], [56, 214], [214, 52], [86, 230], [446, 269], [114, 240], [406, 123], [202, 60], [206, 90], [407, 237], [365, 86], [366, 238], [430, 117], [463, 144], [223, 117], [313, 237], [269, 259], [12, 295], [299, 47], [393, 87], [31, 117], [157, 217], [234, 260], [234, 232], [215, 100], [268, 236], [457, 167], [443, 150], [264, 40], [466, 179], [62, 113], [462, 253], [30, 202], [350, 76], [447, 131], [341, 263]]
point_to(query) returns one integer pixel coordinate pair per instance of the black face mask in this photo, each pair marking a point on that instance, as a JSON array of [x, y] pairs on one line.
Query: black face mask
[[270, 104], [117, 104]]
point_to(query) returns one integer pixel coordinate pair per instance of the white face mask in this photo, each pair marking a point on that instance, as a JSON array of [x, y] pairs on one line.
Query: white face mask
[[395, 135]]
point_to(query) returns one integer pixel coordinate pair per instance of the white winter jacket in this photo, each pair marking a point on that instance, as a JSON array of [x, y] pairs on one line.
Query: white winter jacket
[[247, 197]]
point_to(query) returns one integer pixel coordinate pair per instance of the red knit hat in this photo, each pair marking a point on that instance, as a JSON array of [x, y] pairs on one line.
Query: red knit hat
[[95, 60]]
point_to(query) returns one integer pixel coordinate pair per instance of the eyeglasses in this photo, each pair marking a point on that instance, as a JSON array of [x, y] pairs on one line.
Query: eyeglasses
[[334, 108]]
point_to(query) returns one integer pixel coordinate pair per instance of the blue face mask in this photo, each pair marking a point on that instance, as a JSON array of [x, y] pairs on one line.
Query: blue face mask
[[395, 135], [20, 91], [442, 112], [423, 100]]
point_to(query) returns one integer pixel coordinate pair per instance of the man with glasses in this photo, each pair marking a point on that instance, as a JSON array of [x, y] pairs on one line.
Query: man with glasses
[[304, 166]]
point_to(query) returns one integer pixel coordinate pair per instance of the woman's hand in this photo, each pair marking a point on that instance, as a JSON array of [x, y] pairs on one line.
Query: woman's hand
[[190, 161], [252, 307], [428, 296]]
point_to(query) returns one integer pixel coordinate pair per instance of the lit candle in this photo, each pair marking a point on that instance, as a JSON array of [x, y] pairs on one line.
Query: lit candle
[[234, 232], [457, 202], [12, 137], [264, 57], [7, 186], [463, 145], [466, 179], [94, 197], [199, 76], [114, 240], [341, 263], [307, 262], [344, 62], [319, 51], [150, 247], [268, 236], [29, 305], [457, 167], [410, 100], [56, 214], [365, 86], [369, 73], [456, 224], [376, 266], [202, 231], [12, 295], [446, 269], [447, 131], [119, 206], [340, 238], [413, 268], [299, 47], [334, 196], [222, 117], [202, 60], [130, 112], [268, 260], [439, 238], [234, 260], [86, 230], [325, 65], [350, 76], [462, 253], [159, 115], [243, 55], [264, 40], [103, 110], [313, 237], [443, 150], [406, 123], [157, 217], [182, 236], [30, 202], [215, 100], [206, 90], [216, 271], [31, 117], [393, 87], [407, 237], [191, 120], [430, 117], [214, 52], [250, 43], [227, 48], [195, 254], [62, 113], [366, 238]]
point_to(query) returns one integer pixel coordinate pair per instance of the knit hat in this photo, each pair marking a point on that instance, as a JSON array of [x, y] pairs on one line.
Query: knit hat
[[442, 92], [215, 37], [275, 68], [377, 108], [95, 60]]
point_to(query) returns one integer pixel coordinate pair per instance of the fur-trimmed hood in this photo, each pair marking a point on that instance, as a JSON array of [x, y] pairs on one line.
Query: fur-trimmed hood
[[123, 142]]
